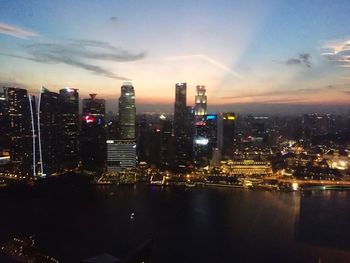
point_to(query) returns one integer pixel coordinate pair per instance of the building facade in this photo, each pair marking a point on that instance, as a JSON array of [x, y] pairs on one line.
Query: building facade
[[226, 134], [121, 155], [69, 118], [49, 133], [166, 142], [205, 139], [93, 135], [121, 152], [21, 130], [183, 127], [127, 112], [200, 101]]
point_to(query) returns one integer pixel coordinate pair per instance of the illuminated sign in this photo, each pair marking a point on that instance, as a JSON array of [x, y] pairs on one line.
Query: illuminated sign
[[200, 123], [211, 117], [89, 119], [201, 141], [231, 118], [109, 141]]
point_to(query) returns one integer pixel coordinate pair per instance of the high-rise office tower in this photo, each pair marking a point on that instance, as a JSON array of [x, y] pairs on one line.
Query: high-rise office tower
[[93, 135], [316, 124], [226, 134], [121, 153], [127, 112], [182, 127], [4, 125], [21, 127], [148, 140], [200, 101], [69, 115], [49, 133], [205, 139], [257, 128], [166, 142]]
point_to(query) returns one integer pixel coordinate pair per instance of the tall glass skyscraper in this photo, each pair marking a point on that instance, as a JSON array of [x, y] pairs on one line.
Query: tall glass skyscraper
[[226, 134], [69, 114], [49, 132], [4, 126], [121, 153], [127, 112], [182, 127], [93, 135], [200, 101], [205, 139], [21, 125]]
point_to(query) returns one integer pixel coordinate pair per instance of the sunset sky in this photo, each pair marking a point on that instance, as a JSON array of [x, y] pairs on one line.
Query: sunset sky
[[285, 52]]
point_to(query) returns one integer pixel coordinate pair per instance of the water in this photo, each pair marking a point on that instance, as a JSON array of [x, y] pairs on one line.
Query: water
[[187, 225]]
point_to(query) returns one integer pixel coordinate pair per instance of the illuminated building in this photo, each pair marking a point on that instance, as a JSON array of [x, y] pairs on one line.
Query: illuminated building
[[183, 131], [21, 129], [166, 142], [226, 134], [316, 124], [246, 168], [49, 133], [4, 125], [205, 139], [121, 154], [69, 114], [127, 112], [257, 129], [200, 101], [93, 136]]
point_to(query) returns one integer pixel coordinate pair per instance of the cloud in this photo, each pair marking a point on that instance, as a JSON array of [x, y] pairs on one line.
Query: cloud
[[80, 54], [15, 31], [82, 49], [208, 60], [337, 52], [113, 19], [287, 92], [302, 59]]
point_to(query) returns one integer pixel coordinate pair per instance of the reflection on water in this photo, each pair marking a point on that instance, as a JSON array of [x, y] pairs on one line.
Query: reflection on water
[[324, 219], [187, 225]]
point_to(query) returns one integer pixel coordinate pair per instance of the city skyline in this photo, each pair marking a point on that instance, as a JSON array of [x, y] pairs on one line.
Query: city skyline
[[252, 52]]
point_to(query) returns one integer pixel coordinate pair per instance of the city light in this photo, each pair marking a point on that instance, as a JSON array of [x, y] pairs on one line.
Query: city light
[[202, 141], [89, 119], [295, 186], [211, 117]]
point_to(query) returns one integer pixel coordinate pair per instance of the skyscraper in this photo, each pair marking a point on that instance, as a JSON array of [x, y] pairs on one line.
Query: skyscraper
[[127, 112], [200, 101], [182, 127], [205, 139], [93, 135], [166, 142], [121, 153], [226, 134], [21, 126], [4, 125], [69, 114], [49, 132]]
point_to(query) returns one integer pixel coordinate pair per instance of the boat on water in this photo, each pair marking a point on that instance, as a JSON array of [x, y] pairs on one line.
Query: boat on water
[[190, 184]]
